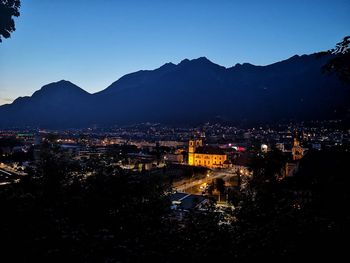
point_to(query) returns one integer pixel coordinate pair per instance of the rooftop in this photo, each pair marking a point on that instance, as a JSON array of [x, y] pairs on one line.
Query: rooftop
[[210, 150]]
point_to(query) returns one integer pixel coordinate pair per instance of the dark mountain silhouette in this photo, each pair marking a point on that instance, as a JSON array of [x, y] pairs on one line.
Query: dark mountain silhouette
[[191, 92], [54, 105]]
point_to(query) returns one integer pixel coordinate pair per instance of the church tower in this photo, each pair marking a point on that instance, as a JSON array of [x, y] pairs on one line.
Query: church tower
[[192, 145], [297, 150]]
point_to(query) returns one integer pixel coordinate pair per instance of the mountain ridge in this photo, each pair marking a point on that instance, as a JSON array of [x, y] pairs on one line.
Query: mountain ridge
[[191, 91]]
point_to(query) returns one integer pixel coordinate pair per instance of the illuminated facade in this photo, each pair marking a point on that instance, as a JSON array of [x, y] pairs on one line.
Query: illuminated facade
[[200, 155], [297, 153], [297, 150]]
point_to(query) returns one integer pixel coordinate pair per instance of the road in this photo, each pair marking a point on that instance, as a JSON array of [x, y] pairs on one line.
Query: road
[[3, 172], [9, 169], [7, 178], [185, 185]]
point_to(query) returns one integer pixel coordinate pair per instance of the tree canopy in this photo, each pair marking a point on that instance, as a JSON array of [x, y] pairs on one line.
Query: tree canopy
[[8, 10], [340, 63], [57, 213]]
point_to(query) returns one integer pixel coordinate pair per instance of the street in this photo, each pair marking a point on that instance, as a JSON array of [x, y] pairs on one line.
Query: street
[[193, 186]]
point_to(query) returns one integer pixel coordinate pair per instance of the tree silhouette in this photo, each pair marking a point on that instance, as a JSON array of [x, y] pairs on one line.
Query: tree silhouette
[[340, 64], [220, 185], [8, 9]]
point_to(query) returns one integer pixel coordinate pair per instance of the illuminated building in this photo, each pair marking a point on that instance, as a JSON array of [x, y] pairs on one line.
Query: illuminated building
[[241, 165], [264, 148], [206, 156], [297, 150]]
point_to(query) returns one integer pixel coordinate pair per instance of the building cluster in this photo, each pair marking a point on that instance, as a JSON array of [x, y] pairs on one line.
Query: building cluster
[[153, 146]]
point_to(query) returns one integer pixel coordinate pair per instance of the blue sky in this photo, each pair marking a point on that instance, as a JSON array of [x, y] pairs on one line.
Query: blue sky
[[94, 42]]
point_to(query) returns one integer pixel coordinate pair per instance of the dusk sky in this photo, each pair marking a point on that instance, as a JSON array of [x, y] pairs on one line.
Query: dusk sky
[[92, 43]]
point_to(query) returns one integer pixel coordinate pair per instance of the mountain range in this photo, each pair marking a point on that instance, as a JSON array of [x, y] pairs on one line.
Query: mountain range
[[191, 92]]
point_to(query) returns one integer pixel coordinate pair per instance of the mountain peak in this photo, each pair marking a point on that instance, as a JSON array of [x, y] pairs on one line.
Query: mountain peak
[[59, 84], [243, 65], [58, 88], [168, 65], [184, 61], [203, 59], [200, 59], [63, 81], [295, 56]]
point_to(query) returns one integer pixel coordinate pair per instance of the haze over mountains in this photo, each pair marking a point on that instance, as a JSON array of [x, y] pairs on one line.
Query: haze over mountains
[[190, 92]]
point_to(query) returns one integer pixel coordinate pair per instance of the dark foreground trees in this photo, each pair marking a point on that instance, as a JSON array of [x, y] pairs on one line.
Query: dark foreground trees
[[56, 215], [340, 63], [299, 218], [8, 10]]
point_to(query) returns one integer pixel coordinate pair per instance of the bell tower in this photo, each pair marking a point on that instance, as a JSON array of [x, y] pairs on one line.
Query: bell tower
[[192, 145], [191, 150], [297, 150]]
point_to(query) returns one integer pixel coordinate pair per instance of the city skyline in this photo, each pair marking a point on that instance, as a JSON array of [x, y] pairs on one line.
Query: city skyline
[[95, 44]]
